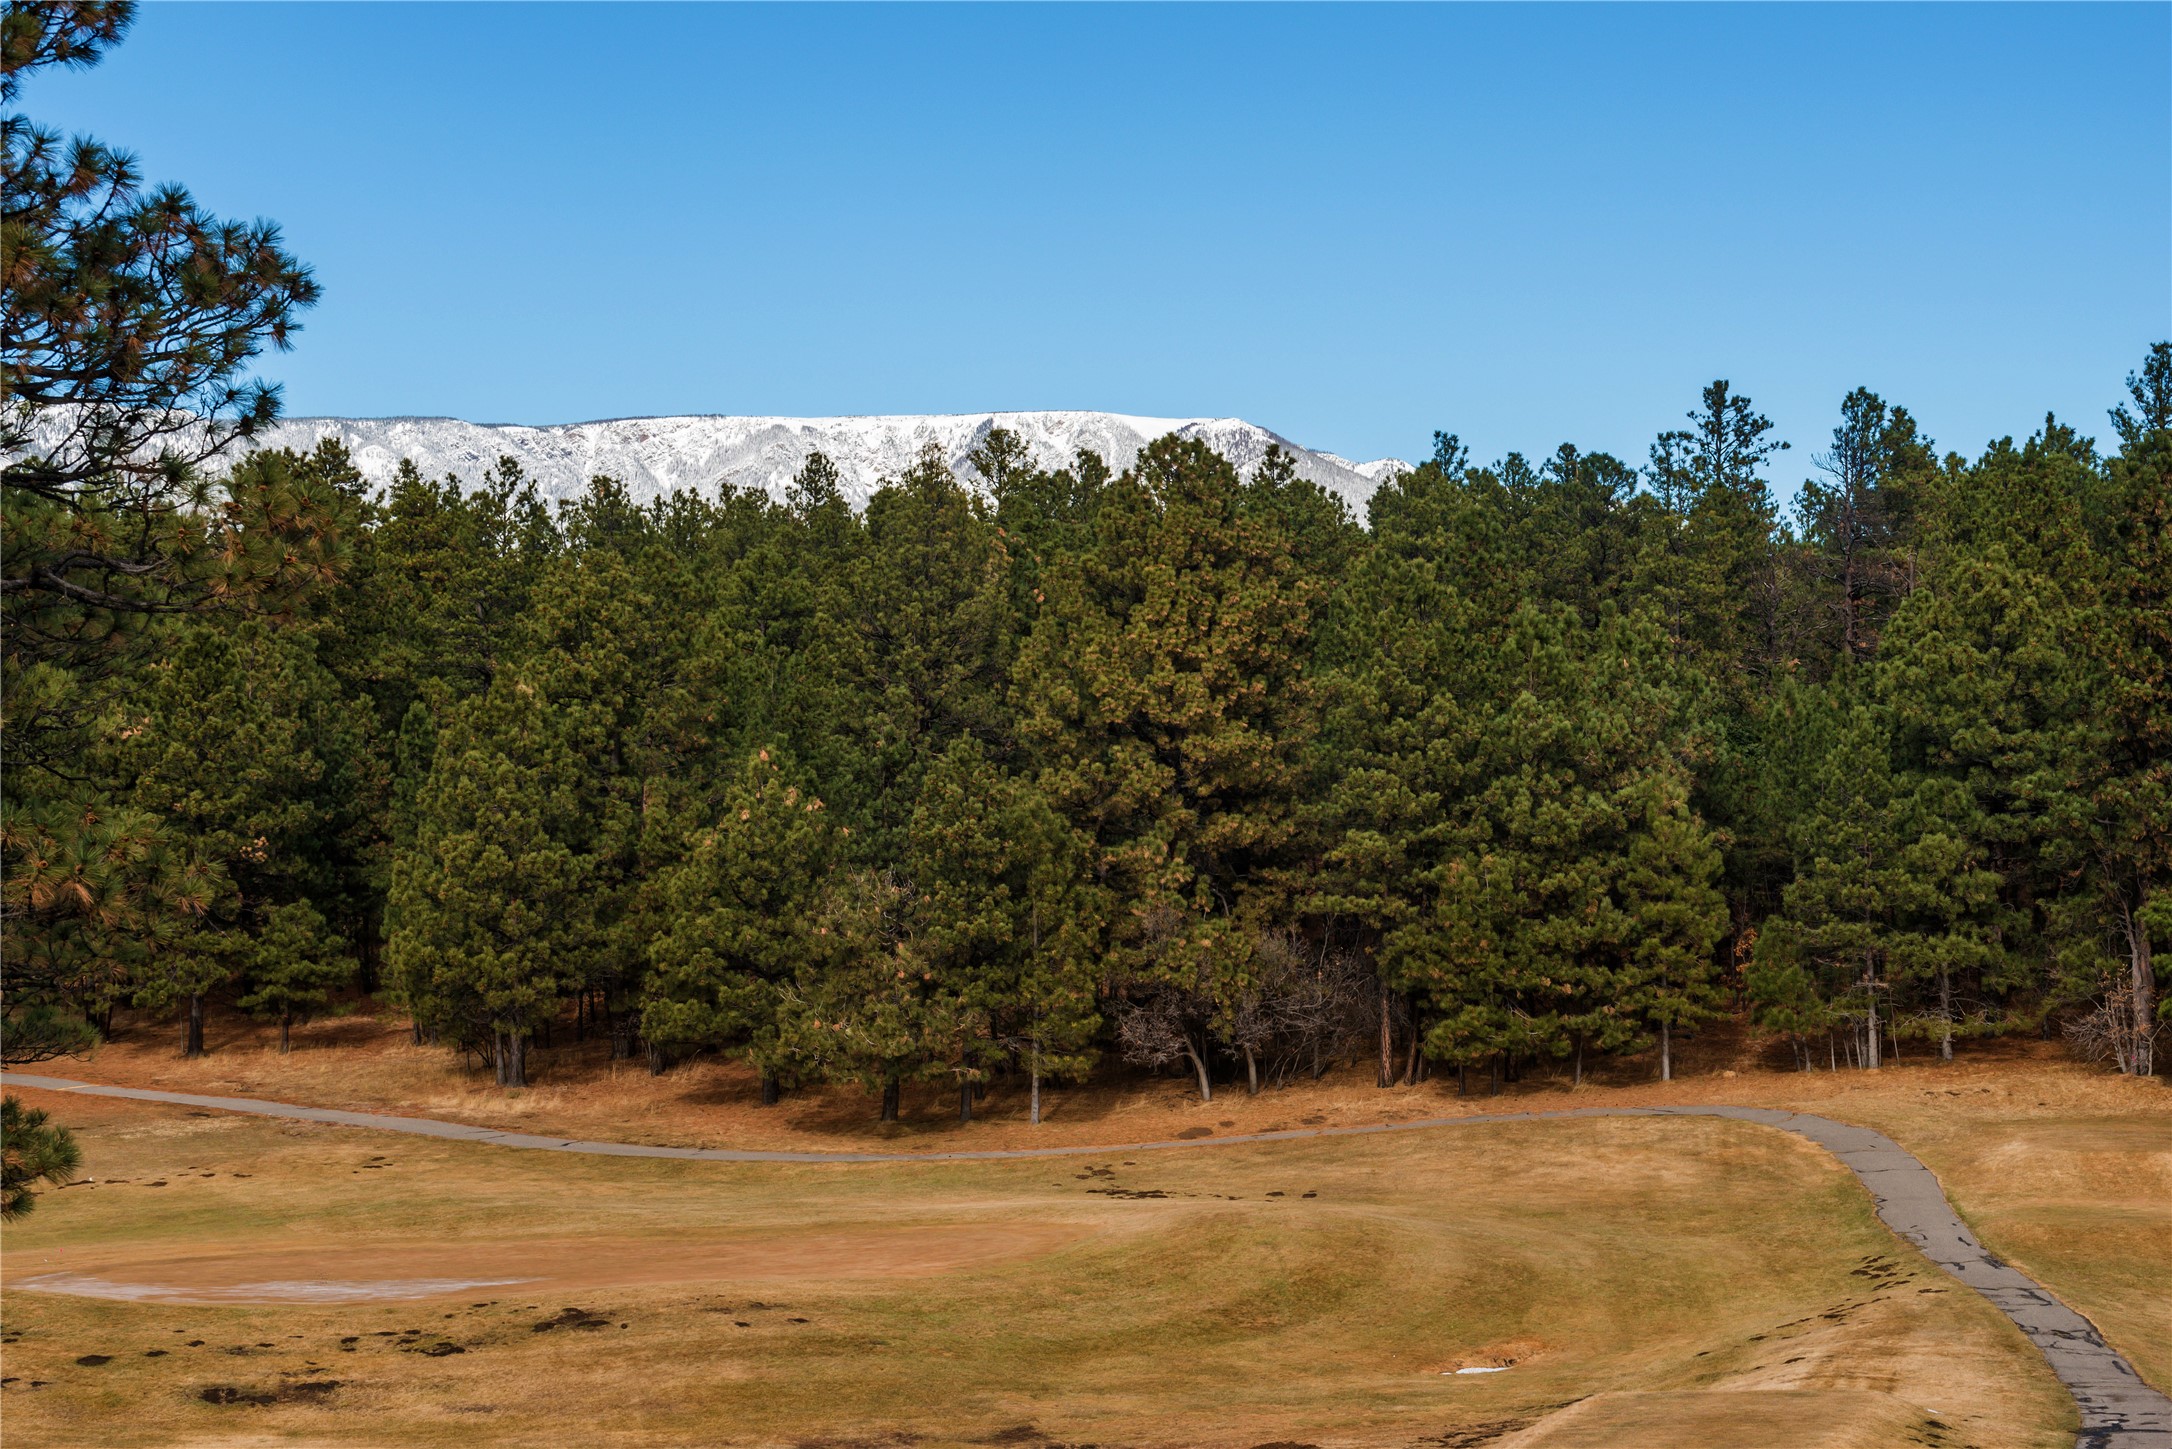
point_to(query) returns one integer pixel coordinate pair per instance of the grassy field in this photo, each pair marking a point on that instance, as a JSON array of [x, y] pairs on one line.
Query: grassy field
[[1655, 1283]]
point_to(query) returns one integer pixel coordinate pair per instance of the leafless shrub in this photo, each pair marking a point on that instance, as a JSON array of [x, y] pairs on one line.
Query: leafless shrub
[[1171, 1019], [1307, 1006], [1301, 1007], [2109, 1032]]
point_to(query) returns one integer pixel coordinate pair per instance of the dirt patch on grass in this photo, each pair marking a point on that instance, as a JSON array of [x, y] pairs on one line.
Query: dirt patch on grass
[[417, 1271], [1505, 1354]]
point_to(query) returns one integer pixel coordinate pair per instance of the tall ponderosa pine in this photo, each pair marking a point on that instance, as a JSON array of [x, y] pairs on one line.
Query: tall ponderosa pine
[[930, 639], [1857, 521], [740, 917], [1572, 907], [1006, 921], [1162, 695], [127, 320], [491, 907]]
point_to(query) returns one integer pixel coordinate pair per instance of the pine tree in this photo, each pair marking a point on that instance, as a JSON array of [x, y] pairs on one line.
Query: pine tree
[[1710, 564], [127, 323], [241, 740], [2151, 389], [1668, 890], [1322, 534], [1584, 530], [1899, 913], [297, 964], [1857, 520], [860, 1006], [1005, 921], [111, 407], [931, 641], [739, 919], [1571, 903], [1399, 723], [2113, 804], [32, 1150], [491, 906], [772, 663], [1162, 696], [100, 900], [189, 964], [588, 643]]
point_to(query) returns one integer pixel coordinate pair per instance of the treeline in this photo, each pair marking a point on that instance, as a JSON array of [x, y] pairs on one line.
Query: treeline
[[1546, 762]]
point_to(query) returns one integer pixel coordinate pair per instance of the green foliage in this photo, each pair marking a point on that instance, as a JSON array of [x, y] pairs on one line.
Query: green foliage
[[297, 965], [927, 654], [493, 904], [1006, 923], [129, 316], [1161, 693], [102, 902], [744, 912], [32, 1150], [1566, 901]]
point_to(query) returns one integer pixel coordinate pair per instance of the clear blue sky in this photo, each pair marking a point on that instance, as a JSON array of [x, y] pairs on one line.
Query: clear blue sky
[[1351, 224]]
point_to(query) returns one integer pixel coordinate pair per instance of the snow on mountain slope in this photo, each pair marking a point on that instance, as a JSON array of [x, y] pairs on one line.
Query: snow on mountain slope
[[652, 456]]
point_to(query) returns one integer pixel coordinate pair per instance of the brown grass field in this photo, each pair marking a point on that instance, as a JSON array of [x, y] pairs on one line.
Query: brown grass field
[[1650, 1283]]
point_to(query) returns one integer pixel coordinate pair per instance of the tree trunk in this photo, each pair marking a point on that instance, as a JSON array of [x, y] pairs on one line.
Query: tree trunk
[[286, 1022], [1578, 1079], [1251, 1073], [192, 1026], [1945, 1014], [1493, 1070], [965, 1100], [656, 1058], [1666, 1052], [889, 1099], [770, 1090], [1034, 1070], [1871, 1057], [1199, 1070], [1387, 1038], [1463, 1079], [2144, 983], [1410, 1063], [517, 1057], [1848, 640]]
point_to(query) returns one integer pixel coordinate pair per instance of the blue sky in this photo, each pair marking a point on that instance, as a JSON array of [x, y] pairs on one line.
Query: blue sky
[[1352, 224]]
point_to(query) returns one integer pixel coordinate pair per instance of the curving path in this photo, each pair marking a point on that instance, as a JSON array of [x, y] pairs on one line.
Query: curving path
[[2118, 1410]]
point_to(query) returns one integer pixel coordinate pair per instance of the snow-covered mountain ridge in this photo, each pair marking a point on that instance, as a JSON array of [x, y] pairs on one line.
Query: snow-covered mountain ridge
[[653, 456]]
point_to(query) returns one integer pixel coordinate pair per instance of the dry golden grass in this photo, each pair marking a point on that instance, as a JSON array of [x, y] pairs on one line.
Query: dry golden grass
[[2077, 1194], [1655, 1283], [2065, 1169]]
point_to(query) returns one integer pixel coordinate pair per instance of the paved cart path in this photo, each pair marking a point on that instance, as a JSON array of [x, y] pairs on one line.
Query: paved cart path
[[2118, 1410]]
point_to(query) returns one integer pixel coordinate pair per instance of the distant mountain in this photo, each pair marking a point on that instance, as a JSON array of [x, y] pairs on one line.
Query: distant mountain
[[652, 456]]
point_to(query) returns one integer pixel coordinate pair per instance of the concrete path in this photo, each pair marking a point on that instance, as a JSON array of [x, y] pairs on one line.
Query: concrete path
[[2118, 1410]]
